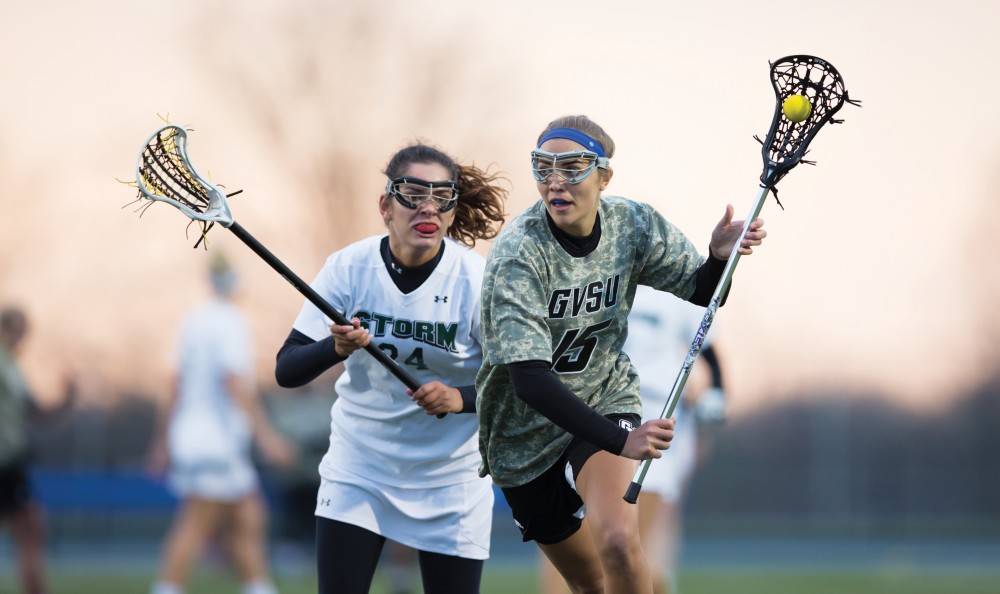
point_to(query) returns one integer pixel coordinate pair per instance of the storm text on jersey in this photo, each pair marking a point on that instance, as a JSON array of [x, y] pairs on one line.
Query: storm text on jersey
[[438, 334], [589, 299]]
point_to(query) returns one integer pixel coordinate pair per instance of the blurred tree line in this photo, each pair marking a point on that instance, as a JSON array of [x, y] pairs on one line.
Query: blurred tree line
[[844, 465]]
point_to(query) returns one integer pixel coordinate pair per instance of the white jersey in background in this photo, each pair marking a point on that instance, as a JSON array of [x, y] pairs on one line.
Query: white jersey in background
[[661, 328], [210, 435]]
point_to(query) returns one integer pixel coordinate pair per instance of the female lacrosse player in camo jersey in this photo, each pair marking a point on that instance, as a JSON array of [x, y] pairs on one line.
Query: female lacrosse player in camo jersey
[[558, 401], [394, 470]]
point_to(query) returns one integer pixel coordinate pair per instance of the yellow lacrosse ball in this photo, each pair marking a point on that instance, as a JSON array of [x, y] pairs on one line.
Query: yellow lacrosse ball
[[797, 108]]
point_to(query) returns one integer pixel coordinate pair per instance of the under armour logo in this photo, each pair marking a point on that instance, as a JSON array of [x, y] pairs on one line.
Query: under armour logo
[[440, 299], [324, 502], [396, 267], [626, 424]]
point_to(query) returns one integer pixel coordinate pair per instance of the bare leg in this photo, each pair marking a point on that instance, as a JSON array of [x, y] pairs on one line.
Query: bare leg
[[401, 569], [27, 527], [550, 581], [193, 527], [578, 562], [248, 539], [659, 530], [614, 523]]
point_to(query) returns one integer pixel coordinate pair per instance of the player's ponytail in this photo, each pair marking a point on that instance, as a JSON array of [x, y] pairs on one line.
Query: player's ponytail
[[479, 213]]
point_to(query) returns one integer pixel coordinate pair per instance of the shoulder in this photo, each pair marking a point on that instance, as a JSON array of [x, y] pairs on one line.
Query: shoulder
[[623, 210], [522, 234], [359, 248], [358, 251], [228, 312], [213, 318], [462, 253], [460, 258]]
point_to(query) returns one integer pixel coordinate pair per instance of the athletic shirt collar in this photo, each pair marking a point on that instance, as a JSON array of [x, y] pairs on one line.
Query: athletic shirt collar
[[406, 279], [578, 247]]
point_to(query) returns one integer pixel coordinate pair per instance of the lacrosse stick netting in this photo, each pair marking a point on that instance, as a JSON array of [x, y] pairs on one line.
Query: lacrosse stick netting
[[783, 148], [164, 173]]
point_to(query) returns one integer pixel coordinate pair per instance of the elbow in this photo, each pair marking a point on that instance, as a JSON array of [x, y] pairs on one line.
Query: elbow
[[283, 381], [284, 376]]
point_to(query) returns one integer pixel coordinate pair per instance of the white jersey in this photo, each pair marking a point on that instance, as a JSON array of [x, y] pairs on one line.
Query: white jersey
[[376, 432], [210, 434], [660, 330]]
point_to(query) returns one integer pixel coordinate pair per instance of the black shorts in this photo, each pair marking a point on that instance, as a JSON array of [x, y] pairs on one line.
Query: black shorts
[[548, 509], [15, 487]]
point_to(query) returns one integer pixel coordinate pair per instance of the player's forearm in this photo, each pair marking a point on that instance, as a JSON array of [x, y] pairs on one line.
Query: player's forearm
[[468, 398], [707, 279], [302, 359], [165, 411], [709, 355], [246, 398], [535, 383]]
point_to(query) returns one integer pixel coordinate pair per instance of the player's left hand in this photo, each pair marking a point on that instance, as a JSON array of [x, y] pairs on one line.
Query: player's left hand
[[436, 398], [710, 409], [727, 233]]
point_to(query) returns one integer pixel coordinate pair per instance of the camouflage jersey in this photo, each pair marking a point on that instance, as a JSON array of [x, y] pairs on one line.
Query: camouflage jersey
[[541, 303]]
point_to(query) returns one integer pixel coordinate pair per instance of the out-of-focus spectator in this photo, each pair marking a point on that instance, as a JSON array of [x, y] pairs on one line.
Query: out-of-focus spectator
[[19, 510], [204, 438]]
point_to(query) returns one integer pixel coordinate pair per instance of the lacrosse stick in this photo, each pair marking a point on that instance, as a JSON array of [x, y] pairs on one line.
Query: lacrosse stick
[[164, 173], [786, 143]]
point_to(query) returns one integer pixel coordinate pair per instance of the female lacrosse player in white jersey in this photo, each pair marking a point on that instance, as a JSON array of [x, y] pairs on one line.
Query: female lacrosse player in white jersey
[[395, 470], [558, 402]]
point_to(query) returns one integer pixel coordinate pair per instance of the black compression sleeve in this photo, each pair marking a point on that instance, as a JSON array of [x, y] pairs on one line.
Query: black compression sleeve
[[709, 355], [706, 279], [468, 398], [302, 359], [535, 384]]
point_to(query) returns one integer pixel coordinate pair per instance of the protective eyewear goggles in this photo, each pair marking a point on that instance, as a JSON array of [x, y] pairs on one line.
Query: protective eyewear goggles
[[411, 192], [572, 166]]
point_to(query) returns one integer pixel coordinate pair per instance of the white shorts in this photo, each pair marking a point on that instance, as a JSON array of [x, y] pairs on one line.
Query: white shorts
[[667, 476], [209, 466], [451, 520]]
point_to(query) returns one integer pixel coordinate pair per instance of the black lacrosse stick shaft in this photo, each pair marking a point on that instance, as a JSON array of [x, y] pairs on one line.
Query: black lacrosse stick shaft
[[321, 303]]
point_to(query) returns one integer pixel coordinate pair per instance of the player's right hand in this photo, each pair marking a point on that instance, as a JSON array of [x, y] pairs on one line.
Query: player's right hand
[[276, 449], [647, 441], [347, 339], [158, 460]]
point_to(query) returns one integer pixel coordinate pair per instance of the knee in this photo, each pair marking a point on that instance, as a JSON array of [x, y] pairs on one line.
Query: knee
[[594, 585], [619, 546]]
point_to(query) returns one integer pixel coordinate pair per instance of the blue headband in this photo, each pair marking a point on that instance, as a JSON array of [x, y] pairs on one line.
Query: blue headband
[[574, 135]]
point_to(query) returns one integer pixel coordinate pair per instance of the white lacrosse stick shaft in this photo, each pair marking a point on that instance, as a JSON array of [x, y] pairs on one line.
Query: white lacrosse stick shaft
[[632, 494]]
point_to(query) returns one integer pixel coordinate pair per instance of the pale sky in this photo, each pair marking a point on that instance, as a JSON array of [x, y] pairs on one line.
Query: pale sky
[[874, 277]]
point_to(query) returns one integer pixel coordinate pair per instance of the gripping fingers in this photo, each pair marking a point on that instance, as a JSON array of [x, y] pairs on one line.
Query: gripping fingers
[[754, 236], [433, 397], [348, 339]]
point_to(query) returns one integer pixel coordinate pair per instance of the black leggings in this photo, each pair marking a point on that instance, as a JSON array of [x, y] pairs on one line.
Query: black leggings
[[346, 556]]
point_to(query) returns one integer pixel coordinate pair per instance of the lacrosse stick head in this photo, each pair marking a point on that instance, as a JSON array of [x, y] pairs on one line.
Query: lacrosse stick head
[[164, 173], [786, 142]]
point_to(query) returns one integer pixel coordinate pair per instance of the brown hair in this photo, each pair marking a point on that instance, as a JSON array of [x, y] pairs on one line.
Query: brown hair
[[586, 125], [479, 213]]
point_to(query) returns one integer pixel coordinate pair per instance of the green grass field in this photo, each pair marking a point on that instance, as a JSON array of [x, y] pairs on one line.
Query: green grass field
[[515, 581]]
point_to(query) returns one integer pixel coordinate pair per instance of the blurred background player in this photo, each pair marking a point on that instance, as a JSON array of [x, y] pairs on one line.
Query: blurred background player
[[661, 328], [19, 510], [204, 437]]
